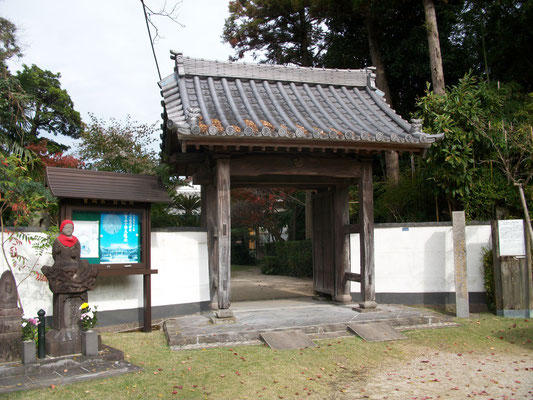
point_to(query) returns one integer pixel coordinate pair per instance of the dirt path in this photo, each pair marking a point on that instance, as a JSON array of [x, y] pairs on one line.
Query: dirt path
[[450, 376]]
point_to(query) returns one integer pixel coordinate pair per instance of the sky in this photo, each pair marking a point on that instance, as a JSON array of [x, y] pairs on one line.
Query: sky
[[102, 51]]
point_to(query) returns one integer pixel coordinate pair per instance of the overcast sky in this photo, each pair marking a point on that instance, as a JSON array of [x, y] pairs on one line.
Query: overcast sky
[[102, 50]]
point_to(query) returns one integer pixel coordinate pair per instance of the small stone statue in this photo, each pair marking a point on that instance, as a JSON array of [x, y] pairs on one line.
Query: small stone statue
[[10, 319], [69, 274], [69, 279]]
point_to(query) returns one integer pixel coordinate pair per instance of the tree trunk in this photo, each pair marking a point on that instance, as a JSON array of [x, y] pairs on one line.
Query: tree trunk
[[435, 57], [375, 57], [391, 156], [393, 166]]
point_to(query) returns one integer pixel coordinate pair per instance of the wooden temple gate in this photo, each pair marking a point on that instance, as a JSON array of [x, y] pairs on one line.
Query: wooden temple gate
[[232, 125]]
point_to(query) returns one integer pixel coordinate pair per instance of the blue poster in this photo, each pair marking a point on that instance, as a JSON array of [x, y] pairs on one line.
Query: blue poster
[[119, 238]]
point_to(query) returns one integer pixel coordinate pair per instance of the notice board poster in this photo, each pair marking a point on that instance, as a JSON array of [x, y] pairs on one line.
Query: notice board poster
[[109, 237], [119, 238], [511, 237]]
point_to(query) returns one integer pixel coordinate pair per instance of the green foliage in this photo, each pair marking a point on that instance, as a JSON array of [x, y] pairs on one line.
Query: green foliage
[[20, 195], [289, 258], [118, 146], [31, 101], [49, 107], [488, 278], [285, 31], [240, 251], [187, 203], [463, 167], [411, 200]]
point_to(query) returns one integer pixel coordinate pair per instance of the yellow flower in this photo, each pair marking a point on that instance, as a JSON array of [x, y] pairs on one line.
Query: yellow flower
[[84, 305]]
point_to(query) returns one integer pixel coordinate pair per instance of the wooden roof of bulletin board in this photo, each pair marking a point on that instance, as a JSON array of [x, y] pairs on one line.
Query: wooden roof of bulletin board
[[100, 185], [221, 104]]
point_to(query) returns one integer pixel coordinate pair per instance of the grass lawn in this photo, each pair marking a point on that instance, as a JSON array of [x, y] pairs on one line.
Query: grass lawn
[[252, 372]]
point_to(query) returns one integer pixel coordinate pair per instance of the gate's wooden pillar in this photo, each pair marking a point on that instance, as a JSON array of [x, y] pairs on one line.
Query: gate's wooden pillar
[[224, 231], [341, 218], [209, 208], [366, 222]]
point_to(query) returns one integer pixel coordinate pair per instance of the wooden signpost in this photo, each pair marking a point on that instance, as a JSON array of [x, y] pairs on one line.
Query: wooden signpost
[[513, 284]]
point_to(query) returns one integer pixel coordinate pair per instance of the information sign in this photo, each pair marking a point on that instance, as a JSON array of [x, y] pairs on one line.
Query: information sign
[[511, 237]]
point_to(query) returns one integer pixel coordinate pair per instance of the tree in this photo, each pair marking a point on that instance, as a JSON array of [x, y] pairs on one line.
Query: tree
[[285, 31], [188, 203], [435, 57], [50, 159], [271, 210], [118, 146], [461, 166], [49, 107], [32, 101]]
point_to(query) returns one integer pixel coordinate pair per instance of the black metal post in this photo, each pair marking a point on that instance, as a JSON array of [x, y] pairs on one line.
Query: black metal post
[[41, 330]]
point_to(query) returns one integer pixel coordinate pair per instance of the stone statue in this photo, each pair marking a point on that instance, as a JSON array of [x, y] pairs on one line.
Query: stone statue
[[10, 319], [69, 274], [69, 279]]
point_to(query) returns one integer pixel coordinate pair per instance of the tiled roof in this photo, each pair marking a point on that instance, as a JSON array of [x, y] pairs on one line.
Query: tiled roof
[[85, 184], [212, 98]]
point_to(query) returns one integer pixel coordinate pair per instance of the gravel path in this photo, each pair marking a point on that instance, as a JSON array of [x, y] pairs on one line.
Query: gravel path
[[450, 376]]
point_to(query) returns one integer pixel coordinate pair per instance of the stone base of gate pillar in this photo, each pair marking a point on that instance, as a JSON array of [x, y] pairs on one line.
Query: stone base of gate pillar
[[223, 317], [367, 306], [343, 298]]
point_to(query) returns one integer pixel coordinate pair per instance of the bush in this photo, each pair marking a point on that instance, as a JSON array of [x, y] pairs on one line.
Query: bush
[[488, 280], [289, 258]]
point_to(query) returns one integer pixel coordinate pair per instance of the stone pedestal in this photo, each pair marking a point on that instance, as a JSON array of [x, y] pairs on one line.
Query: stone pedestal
[[366, 307], [89, 343], [65, 338], [10, 319], [28, 352], [69, 285], [224, 316]]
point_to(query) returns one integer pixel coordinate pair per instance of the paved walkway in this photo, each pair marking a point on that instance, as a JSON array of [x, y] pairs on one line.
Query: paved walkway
[[318, 319], [247, 283], [63, 370]]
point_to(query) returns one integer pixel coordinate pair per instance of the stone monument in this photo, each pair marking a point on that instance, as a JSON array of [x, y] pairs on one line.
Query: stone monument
[[10, 319], [69, 279]]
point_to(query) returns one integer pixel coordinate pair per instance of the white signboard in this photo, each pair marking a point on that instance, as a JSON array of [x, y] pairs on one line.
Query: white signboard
[[87, 234], [512, 239]]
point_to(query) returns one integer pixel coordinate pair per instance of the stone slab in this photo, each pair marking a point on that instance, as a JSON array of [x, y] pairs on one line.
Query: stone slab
[[376, 332], [315, 318], [287, 340]]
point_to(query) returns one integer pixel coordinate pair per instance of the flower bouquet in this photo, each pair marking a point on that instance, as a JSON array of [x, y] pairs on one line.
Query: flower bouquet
[[88, 317], [29, 329]]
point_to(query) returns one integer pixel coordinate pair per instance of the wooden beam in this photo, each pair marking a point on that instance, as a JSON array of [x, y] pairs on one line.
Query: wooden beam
[[288, 180], [366, 235], [224, 231], [352, 276], [341, 217], [212, 241], [352, 228], [256, 165], [298, 142]]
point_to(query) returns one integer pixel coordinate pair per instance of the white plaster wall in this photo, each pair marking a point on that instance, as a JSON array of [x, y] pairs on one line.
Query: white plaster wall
[[407, 260], [183, 275], [33, 291], [180, 258], [420, 259]]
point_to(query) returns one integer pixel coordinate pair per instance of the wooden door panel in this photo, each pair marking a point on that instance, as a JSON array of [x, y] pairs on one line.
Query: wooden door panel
[[323, 262]]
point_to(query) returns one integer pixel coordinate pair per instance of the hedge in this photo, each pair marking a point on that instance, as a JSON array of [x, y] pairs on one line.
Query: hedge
[[289, 258]]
